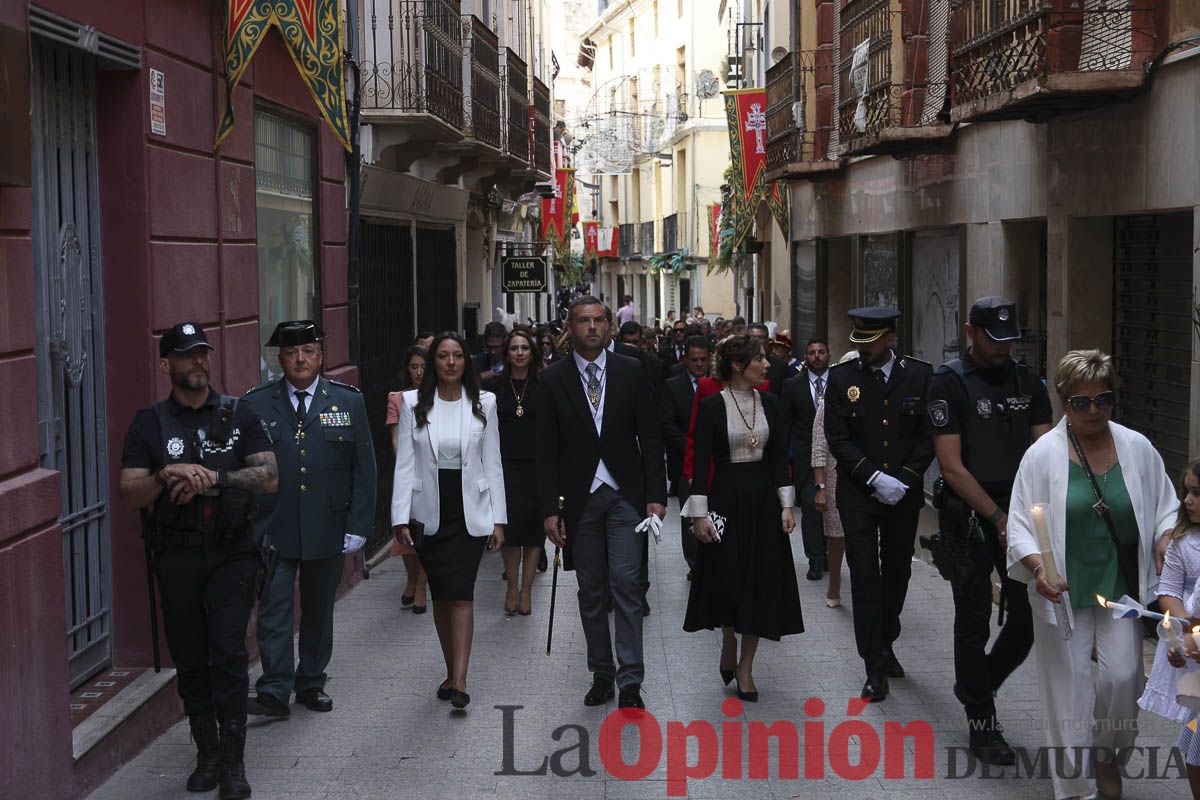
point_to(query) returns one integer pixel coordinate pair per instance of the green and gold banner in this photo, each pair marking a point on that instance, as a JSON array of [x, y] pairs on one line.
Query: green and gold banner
[[312, 33]]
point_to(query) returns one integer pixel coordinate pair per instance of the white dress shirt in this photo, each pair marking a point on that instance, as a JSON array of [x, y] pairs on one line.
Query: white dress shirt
[[308, 401], [886, 369], [603, 476]]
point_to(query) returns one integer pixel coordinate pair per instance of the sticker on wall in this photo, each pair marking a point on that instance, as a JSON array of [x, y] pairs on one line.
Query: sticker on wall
[[158, 103]]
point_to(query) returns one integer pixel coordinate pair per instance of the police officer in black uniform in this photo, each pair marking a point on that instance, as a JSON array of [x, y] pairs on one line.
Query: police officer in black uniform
[[192, 463], [985, 410], [878, 431]]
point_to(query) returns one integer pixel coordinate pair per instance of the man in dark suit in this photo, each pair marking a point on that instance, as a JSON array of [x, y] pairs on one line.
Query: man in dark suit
[[490, 362], [880, 436], [600, 448], [777, 371], [674, 349], [675, 415], [629, 343], [324, 508], [801, 394]]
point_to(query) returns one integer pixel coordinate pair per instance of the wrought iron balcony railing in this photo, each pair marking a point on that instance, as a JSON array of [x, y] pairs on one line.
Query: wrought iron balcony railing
[[541, 127], [413, 58], [516, 107], [647, 245], [1013, 58], [800, 115], [627, 240], [896, 102], [483, 97], [670, 233]]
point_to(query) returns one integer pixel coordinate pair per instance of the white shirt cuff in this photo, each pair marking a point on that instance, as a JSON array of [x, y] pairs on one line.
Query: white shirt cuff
[[787, 496], [696, 506]]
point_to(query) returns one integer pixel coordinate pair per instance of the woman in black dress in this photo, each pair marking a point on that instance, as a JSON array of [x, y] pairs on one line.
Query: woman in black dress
[[744, 581], [516, 391]]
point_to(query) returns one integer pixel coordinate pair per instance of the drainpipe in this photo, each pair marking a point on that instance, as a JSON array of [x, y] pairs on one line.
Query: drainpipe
[[353, 178]]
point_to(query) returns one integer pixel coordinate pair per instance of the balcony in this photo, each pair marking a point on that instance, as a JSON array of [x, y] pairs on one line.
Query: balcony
[[646, 244], [541, 129], [670, 233], [516, 108], [412, 67], [800, 142], [895, 104], [483, 98], [1018, 59], [627, 240]]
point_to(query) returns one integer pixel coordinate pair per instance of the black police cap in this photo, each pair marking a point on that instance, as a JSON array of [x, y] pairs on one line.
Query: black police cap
[[997, 316], [294, 333], [871, 323], [182, 338]]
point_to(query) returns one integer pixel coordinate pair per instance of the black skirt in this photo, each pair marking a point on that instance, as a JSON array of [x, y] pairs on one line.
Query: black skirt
[[524, 528], [450, 555], [748, 579]]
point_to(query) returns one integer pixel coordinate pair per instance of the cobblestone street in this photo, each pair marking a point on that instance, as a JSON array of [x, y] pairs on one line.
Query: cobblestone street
[[388, 737]]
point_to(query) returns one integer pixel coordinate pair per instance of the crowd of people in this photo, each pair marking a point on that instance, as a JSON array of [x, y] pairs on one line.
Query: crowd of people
[[577, 432]]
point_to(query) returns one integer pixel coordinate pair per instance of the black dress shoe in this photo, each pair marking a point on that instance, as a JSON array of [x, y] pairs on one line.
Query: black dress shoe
[[990, 747], [406, 600], [314, 700], [631, 697], [600, 693], [265, 704], [419, 609], [814, 571], [444, 691], [875, 689], [894, 670], [459, 698]]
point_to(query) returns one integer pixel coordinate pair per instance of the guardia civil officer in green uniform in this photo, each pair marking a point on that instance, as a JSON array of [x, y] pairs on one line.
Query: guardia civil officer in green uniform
[[324, 507], [878, 432]]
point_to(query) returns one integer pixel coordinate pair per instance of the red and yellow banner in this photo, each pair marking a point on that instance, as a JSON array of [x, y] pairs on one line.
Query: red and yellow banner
[[745, 114], [714, 230], [312, 33], [557, 210]]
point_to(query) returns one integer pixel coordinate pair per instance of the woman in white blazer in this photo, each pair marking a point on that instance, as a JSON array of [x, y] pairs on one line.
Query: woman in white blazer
[[449, 478], [1089, 710]]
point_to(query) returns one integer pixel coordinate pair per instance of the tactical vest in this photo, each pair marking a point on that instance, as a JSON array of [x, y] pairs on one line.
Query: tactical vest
[[995, 425], [220, 514]]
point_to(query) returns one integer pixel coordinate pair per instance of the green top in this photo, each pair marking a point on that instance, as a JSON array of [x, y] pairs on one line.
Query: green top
[[1091, 558]]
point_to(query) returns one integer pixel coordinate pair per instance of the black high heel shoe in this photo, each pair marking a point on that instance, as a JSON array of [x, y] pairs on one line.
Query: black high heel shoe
[[727, 675], [406, 600], [445, 691], [459, 698], [749, 697]]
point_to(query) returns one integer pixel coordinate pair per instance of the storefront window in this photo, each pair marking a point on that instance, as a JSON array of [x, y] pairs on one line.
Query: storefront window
[[287, 275]]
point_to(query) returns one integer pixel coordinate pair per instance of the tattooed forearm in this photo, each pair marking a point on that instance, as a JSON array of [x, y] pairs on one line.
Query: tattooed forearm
[[260, 475]]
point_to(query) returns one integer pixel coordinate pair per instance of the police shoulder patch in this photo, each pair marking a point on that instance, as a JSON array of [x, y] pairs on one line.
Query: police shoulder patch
[[939, 413]]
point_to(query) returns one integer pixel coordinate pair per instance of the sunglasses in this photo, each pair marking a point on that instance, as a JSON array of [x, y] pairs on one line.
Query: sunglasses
[[1081, 402]]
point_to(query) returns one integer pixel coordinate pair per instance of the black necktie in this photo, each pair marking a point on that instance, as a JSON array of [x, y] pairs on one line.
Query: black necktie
[[301, 410], [879, 376], [820, 389]]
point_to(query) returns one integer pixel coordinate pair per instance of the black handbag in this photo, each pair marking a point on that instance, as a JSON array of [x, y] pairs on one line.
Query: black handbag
[[1128, 569], [416, 530]]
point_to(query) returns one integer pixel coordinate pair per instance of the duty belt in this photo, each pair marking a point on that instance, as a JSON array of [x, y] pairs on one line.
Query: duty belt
[[170, 537]]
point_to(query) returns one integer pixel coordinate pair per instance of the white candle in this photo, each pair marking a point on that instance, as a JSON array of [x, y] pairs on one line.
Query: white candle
[[1173, 632], [1039, 512], [1191, 642]]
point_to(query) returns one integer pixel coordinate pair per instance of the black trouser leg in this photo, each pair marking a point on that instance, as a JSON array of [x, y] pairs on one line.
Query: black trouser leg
[[972, 589], [866, 586], [180, 572], [229, 597], [897, 539], [1015, 639], [812, 526]]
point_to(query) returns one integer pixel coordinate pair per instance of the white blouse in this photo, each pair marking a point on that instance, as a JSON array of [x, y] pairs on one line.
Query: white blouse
[[449, 420], [738, 425]]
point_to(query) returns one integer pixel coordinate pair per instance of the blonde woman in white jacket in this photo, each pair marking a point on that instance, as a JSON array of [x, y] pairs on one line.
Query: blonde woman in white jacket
[[449, 478], [1089, 711]]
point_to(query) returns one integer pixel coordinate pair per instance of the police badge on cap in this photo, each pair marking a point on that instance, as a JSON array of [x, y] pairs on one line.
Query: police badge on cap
[[998, 318], [182, 338]]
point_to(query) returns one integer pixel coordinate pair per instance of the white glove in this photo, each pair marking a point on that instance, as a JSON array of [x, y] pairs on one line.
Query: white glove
[[352, 543], [653, 524], [888, 490]]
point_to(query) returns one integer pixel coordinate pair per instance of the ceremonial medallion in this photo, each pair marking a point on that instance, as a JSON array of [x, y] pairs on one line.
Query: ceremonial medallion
[[853, 393]]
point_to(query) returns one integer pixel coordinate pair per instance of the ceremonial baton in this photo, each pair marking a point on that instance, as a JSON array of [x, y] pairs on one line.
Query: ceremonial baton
[[554, 576]]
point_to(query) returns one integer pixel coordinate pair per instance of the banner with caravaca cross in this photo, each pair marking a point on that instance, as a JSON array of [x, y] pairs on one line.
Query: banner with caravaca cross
[[312, 33], [558, 210], [746, 116]]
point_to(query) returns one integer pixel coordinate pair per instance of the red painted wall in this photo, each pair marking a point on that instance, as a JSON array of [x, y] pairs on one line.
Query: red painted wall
[[177, 242]]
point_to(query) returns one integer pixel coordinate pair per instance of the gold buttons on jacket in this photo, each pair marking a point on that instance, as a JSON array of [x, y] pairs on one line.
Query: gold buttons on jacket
[[304, 470], [303, 488], [302, 451], [885, 466], [885, 442], [885, 423], [885, 402]]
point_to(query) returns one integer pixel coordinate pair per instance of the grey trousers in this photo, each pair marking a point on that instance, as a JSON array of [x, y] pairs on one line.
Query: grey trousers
[[607, 552], [276, 620]]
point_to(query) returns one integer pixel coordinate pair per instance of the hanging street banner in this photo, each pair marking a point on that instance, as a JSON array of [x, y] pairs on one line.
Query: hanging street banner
[[745, 114], [591, 235], [522, 274], [607, 241], [312, 33], [714, 231], [557, 210]]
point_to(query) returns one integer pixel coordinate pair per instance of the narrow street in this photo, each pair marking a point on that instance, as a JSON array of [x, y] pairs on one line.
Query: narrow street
[[388, 737]]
